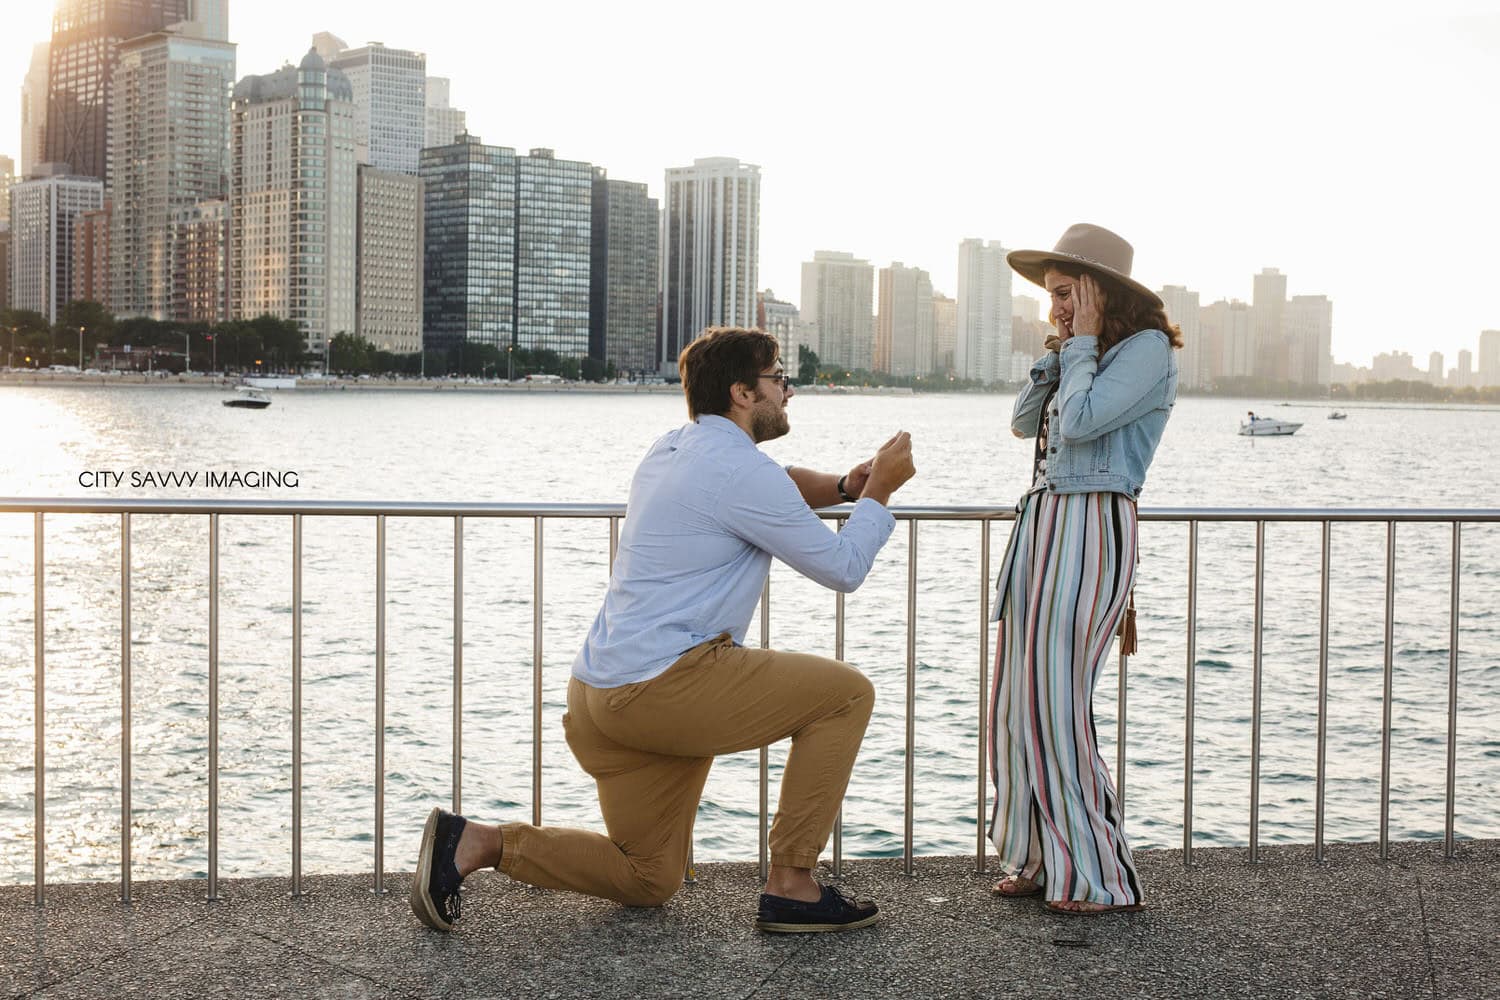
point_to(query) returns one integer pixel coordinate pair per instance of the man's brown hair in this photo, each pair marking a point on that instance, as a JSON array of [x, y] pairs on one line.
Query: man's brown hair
[[721, 358]]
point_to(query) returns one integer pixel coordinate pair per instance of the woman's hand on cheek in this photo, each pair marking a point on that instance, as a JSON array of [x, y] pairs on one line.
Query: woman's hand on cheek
[[1088, 304]]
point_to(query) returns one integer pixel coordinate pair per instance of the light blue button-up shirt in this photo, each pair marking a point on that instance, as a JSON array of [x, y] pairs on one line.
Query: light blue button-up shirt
[[707, 511]]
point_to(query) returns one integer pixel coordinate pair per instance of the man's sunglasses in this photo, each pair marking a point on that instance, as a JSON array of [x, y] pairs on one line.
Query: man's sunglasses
[[783, 378]]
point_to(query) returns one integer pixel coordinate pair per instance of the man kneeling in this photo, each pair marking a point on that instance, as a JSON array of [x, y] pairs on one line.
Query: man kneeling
[[663, 685]]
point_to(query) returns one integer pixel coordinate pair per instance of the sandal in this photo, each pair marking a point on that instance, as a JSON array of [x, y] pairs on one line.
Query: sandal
[[1094, 908], [1016, 887]]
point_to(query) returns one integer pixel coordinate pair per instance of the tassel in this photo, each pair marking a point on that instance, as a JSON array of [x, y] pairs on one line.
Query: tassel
[[1127, 628]]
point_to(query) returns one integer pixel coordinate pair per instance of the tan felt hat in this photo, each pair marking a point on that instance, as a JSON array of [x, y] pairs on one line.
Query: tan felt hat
[[1090, 246]]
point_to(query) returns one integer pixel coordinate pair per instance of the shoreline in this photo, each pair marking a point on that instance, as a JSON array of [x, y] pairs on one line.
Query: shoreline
[[303, 384]]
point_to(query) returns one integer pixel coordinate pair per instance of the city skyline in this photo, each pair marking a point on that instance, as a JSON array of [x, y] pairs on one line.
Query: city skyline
[[1356, 156]]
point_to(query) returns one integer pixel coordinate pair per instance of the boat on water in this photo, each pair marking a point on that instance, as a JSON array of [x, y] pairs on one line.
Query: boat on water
[[1338, 415], [248, 398], [1268, 427]]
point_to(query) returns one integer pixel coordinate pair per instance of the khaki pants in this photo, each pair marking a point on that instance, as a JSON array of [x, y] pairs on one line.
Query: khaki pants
[[649, 747]]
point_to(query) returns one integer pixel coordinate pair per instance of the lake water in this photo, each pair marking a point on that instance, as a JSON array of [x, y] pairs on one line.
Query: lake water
[[546, 447]]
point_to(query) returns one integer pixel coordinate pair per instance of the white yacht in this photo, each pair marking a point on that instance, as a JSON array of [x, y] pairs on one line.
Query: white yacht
[[248, 398], [1267, 427]]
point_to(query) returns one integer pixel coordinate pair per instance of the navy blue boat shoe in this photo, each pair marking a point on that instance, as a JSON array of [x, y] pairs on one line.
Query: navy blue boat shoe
[[434, 888], [833, 912]]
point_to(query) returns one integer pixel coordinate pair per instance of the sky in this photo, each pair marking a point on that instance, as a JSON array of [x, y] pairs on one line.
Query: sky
[[1352, 147]]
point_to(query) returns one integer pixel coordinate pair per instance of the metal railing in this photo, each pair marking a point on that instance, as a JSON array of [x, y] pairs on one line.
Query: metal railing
[[540, 513]]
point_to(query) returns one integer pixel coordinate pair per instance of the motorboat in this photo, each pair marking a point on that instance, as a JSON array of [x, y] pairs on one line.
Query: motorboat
[[248, 398], [1268, 427], [1338, 415]]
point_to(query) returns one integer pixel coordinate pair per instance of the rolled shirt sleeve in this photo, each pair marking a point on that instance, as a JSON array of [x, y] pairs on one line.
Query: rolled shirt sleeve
[[763, 506]]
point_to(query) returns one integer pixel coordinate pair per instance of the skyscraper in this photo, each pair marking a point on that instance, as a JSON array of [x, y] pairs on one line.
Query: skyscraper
[[171, 139], [4, 267], [782, 320], [1435, 368], [1026, 307], [390, 104], [200, 263], [837, 291], [293, 200], [984, 311], [1489, 357], [44, 216], [554, 227], [444, 123], [944, 333], [86, 35], [1228, 339], [710, 251], [1308, 328], [7, 178], [1393, 366], [623, 274], [1183, 309], [90, 268], [1463, 375], [1271, 357], [213, 18], [34, 111], [469, 244], [903, 326], [388, 291]]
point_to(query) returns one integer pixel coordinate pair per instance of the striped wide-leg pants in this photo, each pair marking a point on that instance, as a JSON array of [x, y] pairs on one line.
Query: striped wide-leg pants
[[1064, 584]]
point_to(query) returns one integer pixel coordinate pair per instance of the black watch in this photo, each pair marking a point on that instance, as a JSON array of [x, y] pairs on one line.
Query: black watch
[[843, 493]]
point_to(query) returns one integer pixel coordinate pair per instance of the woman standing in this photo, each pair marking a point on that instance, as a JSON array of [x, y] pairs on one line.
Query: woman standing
[[1096, 403]]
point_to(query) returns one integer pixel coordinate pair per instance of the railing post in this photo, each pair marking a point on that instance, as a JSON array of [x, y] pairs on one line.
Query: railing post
[[838, 654], [911, 692], [1448, 845], [379, 887], [1189, 708], [1260, 606], [213, 707], [536, 675], [1319, 809], [458, 663], [39, 718], [296, 706], [125, 708], [764, 821], [1385, 711], [981, 860]]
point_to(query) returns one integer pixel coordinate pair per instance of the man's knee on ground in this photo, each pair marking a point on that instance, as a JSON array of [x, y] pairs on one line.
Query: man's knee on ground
[[653, 888]]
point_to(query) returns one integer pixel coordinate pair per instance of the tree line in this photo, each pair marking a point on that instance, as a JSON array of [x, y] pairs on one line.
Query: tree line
[[812, 371], [1390, 390], [266, 343], [351, 354]]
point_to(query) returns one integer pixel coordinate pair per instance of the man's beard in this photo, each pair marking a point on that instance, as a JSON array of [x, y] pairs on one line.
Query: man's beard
[[768, 424]]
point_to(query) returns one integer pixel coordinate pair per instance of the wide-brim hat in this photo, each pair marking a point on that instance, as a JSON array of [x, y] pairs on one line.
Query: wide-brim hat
[[1089, 246]]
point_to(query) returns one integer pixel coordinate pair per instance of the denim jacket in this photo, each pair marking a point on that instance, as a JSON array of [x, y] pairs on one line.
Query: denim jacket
[[1111, 411]]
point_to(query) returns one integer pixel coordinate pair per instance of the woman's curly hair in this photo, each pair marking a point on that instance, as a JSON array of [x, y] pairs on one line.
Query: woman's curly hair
[[1126, 311]]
